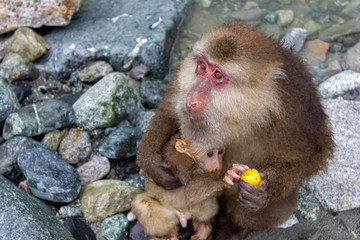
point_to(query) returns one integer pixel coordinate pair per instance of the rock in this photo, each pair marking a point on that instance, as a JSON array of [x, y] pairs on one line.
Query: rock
[[137, 233], [294, 39], [249, 15], [69, 211], [270, 17], [49, 177], [315, 51], [351, 10], [22, 91], [321, 74], [22, 216], [36, 13], [285, 17], [289, 223], [9, 152], [142, 120], [152, 92], [312, 27], [139, 72], [94, 71], [138, 182], [272, 30], [339, 30], [250, 5], [27, 44], [121, 143], [308, 206], [106, 103], [337, 187], [353, 57], [93, 170], [106, 197], [204, 3], [52, 139], [15, 68], [8, 100], [38, 118], [104, 30], [340, 84], [75, 146], [114, 226], [79, 229]]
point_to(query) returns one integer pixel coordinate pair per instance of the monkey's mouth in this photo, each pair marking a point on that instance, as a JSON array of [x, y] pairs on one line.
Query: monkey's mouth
[[195, 119]]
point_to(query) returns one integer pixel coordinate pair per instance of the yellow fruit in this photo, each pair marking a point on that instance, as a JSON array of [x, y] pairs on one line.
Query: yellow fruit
[[251, 176]]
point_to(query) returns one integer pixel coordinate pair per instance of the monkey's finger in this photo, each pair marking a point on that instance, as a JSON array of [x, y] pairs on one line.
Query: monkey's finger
[[240, 167], [234, 175], [228, 181]]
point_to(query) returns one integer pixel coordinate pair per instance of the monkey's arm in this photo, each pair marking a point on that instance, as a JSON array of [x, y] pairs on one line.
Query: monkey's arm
[[149, 155]]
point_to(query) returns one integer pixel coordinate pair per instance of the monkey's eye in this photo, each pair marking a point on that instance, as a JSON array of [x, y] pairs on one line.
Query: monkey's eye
[[202, 66], [218, 75], [221, 152], [210, 154]]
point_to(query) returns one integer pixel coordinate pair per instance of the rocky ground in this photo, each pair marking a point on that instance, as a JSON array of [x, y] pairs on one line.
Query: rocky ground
[[75, 101]]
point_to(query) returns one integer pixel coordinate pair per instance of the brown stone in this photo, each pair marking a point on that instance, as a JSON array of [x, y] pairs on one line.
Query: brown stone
[[315, 51]]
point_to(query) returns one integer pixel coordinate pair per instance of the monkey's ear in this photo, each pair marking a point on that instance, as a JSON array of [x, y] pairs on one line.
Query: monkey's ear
[[181, 146]]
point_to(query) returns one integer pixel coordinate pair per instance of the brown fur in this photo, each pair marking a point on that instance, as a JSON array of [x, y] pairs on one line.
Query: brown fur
[[268, 116]]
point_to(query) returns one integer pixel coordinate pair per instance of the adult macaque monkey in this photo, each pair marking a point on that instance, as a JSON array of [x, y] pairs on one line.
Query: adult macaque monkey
[[159, 211], [240, 89]]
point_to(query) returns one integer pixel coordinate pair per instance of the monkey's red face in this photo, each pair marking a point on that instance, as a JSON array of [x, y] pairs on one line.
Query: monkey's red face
[[209, 77]]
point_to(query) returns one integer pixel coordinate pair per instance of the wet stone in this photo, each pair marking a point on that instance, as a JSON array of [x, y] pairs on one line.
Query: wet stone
[[38, 118], [249, 15], [96, 168], [9, 152], [104, 198], [340, 84], [106, 103], [15, 68], [312, 27], [285, 17], [69, 211], [143, 119], [8, 100], [270, 17], [121, 143], [79, 229], [75, 146], [52, 139], [315, 51], [22, 91], [294, 39], [23, 216], [353, 57], [138, 182], [340, 30], [48, 176], [94, 71], [27, 44], [152, 92], [114, 226], [308, 206]]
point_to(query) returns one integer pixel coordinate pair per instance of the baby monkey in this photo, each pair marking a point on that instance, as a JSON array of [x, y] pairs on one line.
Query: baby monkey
[[159, 211]]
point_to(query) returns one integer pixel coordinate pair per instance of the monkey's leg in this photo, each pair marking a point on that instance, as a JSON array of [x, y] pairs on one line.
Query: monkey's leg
[[156, 220], [202, 230]]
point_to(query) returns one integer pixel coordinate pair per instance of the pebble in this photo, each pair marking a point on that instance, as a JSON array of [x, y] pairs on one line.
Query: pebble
[[340, 84], [8, 100], [22, 216], [94, 71], [22, 91], [121, 143], [9, 152], [79, 229], [295, 39], [104, 198], [49, 177], [106, 103], [27, 44], [312, 27], [152, 92], [112, 227], [336, 31], [308, 206], [52, 139], [15, 68], [75, 146], [69, 211], [270, 17], [249, 15], [95, 169], [138, 182], [315, 51], [353, 57], [285, 17], [143, 119], [139, 72], [289, 223], [38, 118]]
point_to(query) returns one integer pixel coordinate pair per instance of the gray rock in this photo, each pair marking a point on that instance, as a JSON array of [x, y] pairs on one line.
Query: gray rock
[[340, 84], [295, 39], [112, 227], [337, 187], [26, 43], [351, 10], [143, 119], [53, 139], [36, 13], [94, 71], [151, 92], [285, 17], [96, 168], [38, 118], [15, 68], [106, 103], [121, 32], [338, 30], [22, 216], [9, 152], [289, 223], [48, 176], [69, 211], [270, 17], [249, 15], [8, 100], [312, 27], [79, 229], [138, 182], [353, 57], [75, 146], [121, 143], [308, 206], [104, 198]]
